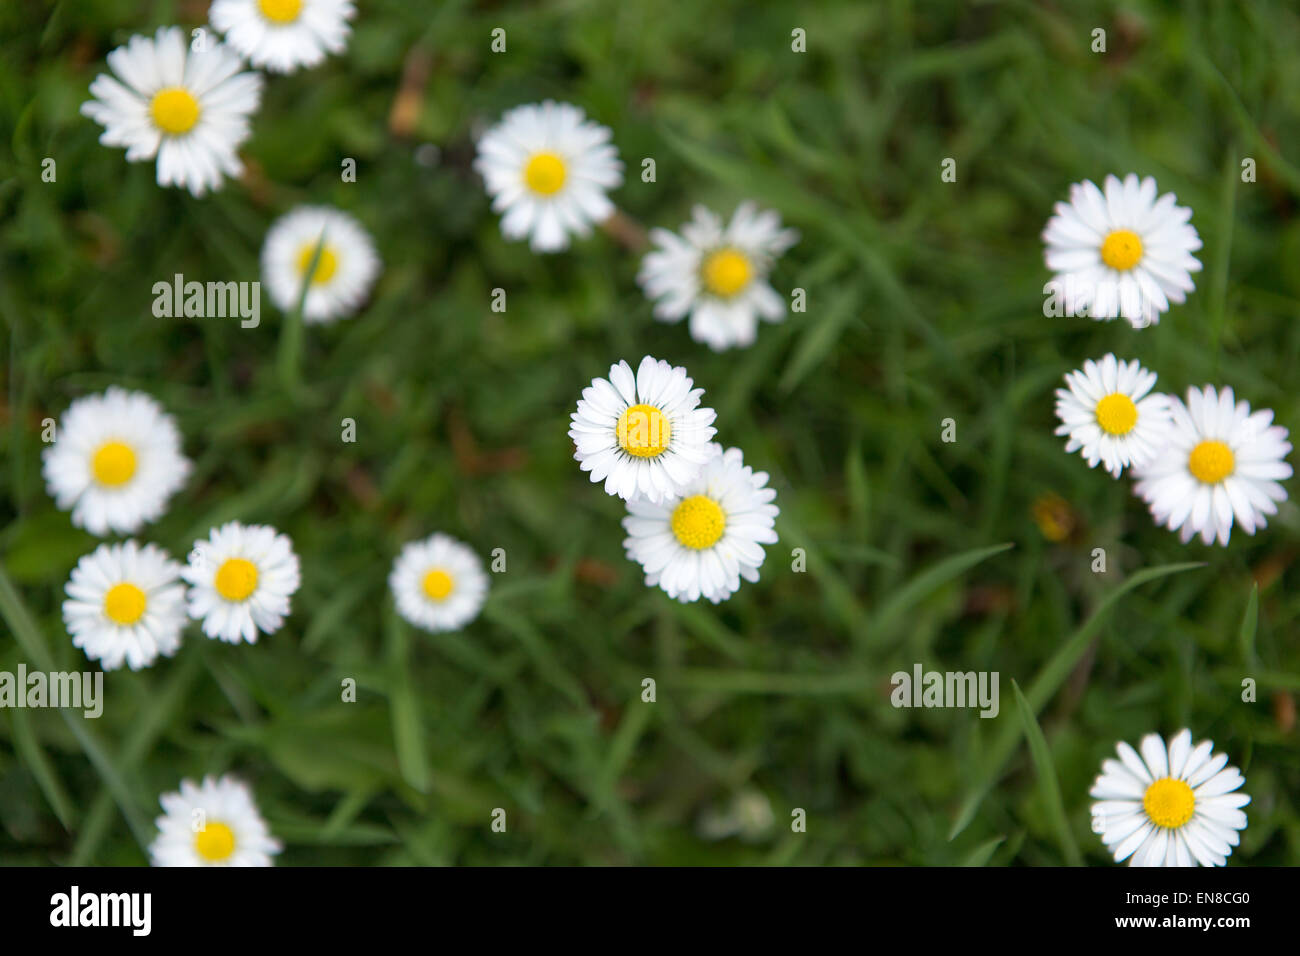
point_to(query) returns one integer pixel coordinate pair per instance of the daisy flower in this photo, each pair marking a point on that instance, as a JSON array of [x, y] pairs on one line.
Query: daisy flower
[[644, 435], [1107, 412], [438, 584], [126, 604], [1122, 253], [345, 268], [701, 542], [213, 824], [115, 461], [1222, 463], [188, 108], [241, 579], [547, 168], [282, 35], [1173, 807], [717, 274]]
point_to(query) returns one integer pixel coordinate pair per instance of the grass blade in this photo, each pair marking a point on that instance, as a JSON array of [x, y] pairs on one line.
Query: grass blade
[[1047, 782]]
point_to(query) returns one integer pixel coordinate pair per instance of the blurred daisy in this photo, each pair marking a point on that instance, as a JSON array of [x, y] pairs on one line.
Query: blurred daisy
[[701, 542], [1108, 413], [213, 824], [1173, 807], [438, 584], [644, 435], [188, 108], [718, 275], [241, 578], [126, 604], [115, 461], [1122, 253], [282, 35], [1222, 462], [547, 168], [345, 266]]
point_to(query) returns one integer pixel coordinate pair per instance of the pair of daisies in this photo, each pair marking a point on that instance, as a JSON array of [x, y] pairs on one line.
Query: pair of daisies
[[1169, 805], [189, 105], [548, 168], [115, 463], [698, 516], [1202, 466]]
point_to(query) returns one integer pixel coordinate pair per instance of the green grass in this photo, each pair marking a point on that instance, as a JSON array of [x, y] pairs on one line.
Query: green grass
[[924, 303]]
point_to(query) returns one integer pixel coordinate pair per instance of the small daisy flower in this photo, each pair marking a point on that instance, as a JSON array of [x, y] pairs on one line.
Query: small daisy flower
[[547, 168], [115, 461], [283, 35], [213, 824], [718, 275], [1222, 463], [438, 584], [1107, 412], [1122, 253], [701, 542], [241, 579], [644, 435], [345, 267], [188, 108], [126, 605], [1169, 807]]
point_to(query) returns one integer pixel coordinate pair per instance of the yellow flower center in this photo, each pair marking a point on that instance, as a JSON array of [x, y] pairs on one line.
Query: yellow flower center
[[726, 272], [215, 842], [1116, 414], [326, 265], [1169, 802], [124, 604], [698, 522], [545, 174], [438, 584], [1121, 250], [280, 11], [236, 579], [113, 464], [174, 110], [1211, 462], [644, 431]]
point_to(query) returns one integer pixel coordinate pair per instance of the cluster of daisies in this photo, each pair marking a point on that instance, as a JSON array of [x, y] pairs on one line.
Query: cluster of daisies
[[1203, 465], [115, 463], [548, 169], [697, 515]]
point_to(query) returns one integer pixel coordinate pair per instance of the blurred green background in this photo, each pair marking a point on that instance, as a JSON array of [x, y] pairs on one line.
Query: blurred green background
[[924, 303]]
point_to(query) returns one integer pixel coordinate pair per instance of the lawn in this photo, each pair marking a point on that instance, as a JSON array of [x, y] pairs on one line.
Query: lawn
[[924, 304]]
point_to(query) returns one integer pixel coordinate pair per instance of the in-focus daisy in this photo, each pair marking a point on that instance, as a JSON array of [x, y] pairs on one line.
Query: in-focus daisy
[[701, 542], [241, 579], [645, 434], [718, 274], [126, 605], [345, 266], [1123, 252], [1173, 807], [282, 35], [547, 168], [1108, 411], [189, 108], [213, 824], [115, 461], [1222, 463], [438, 584]]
